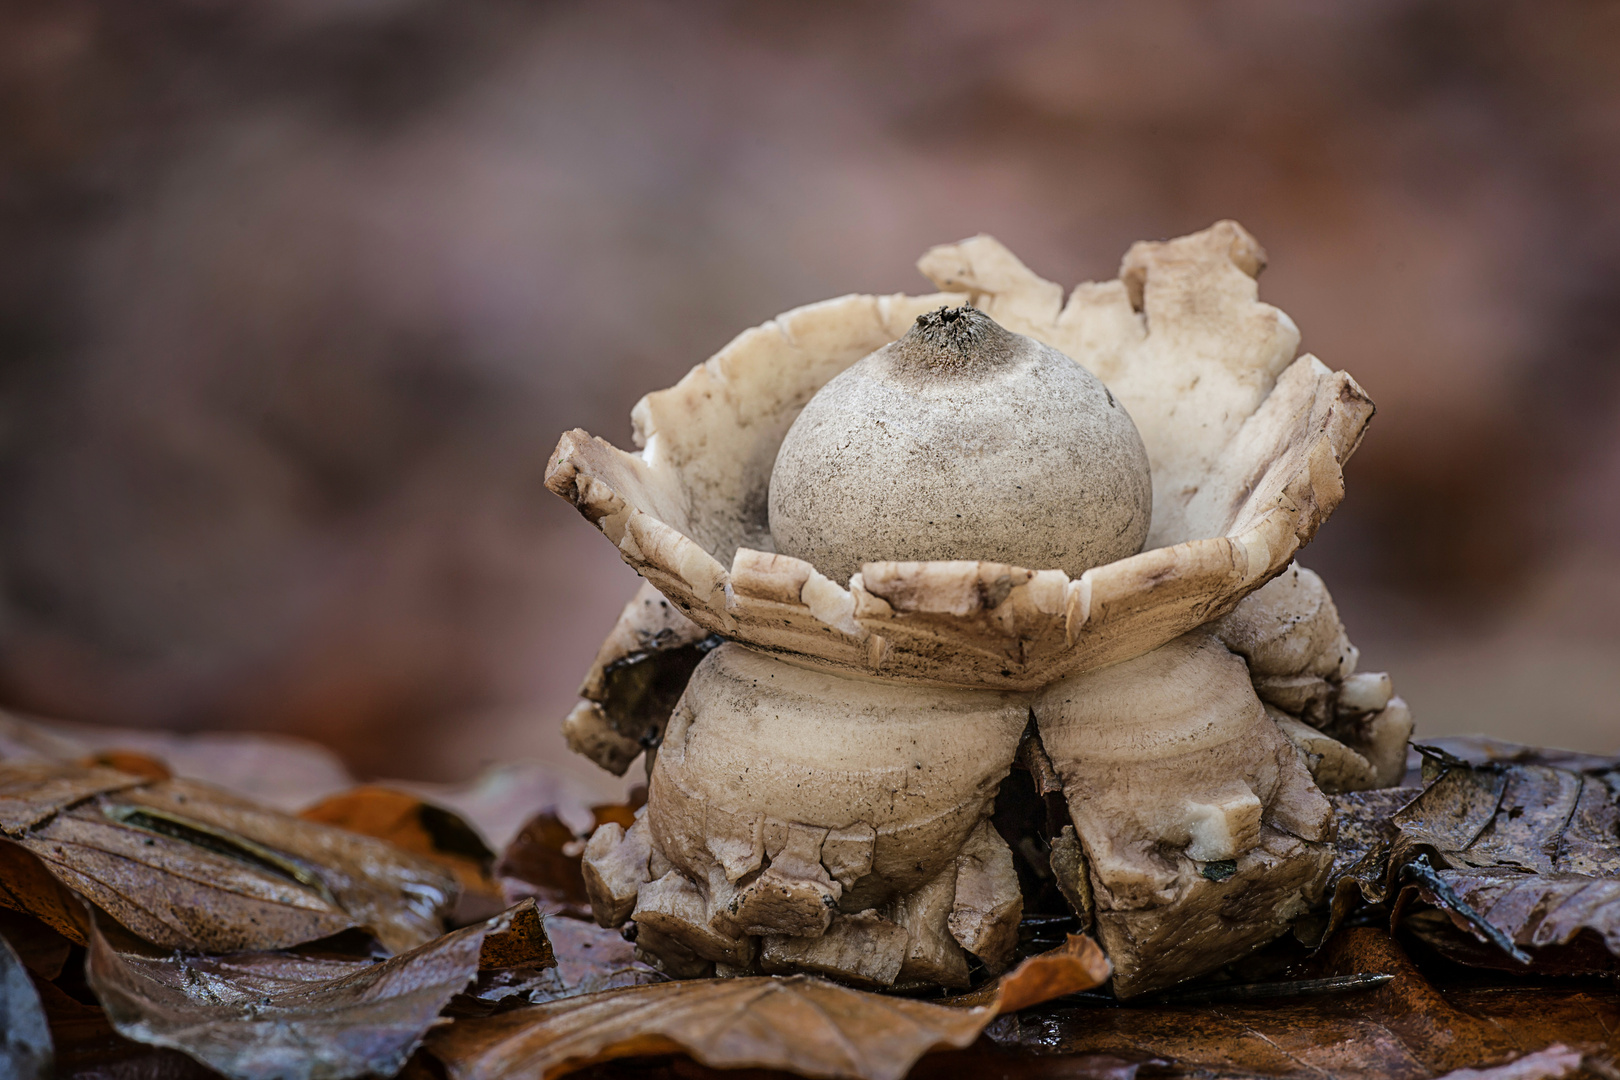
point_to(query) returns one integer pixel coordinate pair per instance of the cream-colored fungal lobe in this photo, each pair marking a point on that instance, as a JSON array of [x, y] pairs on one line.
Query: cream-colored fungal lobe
[[1170, 764], [803, 820], [962, 440], [899, 775]]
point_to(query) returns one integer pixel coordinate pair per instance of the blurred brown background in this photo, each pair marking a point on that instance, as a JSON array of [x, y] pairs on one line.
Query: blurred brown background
[[296, 296]]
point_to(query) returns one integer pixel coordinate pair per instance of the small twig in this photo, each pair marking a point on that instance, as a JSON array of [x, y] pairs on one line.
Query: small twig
[[1420, 871], [1337, 984]]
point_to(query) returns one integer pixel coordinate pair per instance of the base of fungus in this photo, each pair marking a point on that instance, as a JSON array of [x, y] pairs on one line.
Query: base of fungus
[[1171, 766], [800, 820]]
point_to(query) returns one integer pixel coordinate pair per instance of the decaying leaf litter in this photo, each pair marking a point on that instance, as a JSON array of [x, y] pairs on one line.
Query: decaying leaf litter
[[1504, 820], [1517, 860]]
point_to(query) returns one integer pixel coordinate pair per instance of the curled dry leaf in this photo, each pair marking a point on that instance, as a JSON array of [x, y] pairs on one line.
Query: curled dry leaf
[[190, 867], [1076, 965], [401, 898], [798, 1023], [1407, 1028], [282, 1016], [807, 1025], [25, 1038]]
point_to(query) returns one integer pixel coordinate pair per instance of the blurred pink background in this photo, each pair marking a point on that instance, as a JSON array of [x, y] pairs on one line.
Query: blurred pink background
[[296, 297]]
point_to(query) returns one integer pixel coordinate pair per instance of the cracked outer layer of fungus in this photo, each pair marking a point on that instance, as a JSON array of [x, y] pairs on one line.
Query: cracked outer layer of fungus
[[831, 791], [803, 820]]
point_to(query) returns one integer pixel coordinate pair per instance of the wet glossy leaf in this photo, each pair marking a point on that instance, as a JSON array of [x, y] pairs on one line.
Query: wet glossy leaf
[[1407, 1028], [25, 1038], [285, 1016], [191, 867], [589, 959], [798, 1023]]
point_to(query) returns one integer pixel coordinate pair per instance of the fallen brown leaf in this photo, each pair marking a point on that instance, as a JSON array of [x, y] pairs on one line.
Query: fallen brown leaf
[[87, 1047], [401, 898], [191, 867], [1407, 1028], [544, 858], [278, 771], [518, 941], [26, 886], [128, 761], [419, 827], [178, 894], [41, 949], [1523, 856], [285, 1016], [543, 861], [1485, 750], [32, 793], [1076, 965], [25, 1037], [1565, 924], [799, 1023], [501, 799], [589, 959]]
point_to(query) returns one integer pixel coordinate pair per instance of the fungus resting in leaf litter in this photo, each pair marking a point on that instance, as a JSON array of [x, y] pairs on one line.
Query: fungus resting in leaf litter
[[900, 548]]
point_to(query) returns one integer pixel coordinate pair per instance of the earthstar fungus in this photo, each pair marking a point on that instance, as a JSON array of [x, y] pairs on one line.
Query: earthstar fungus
[[826, 735]]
